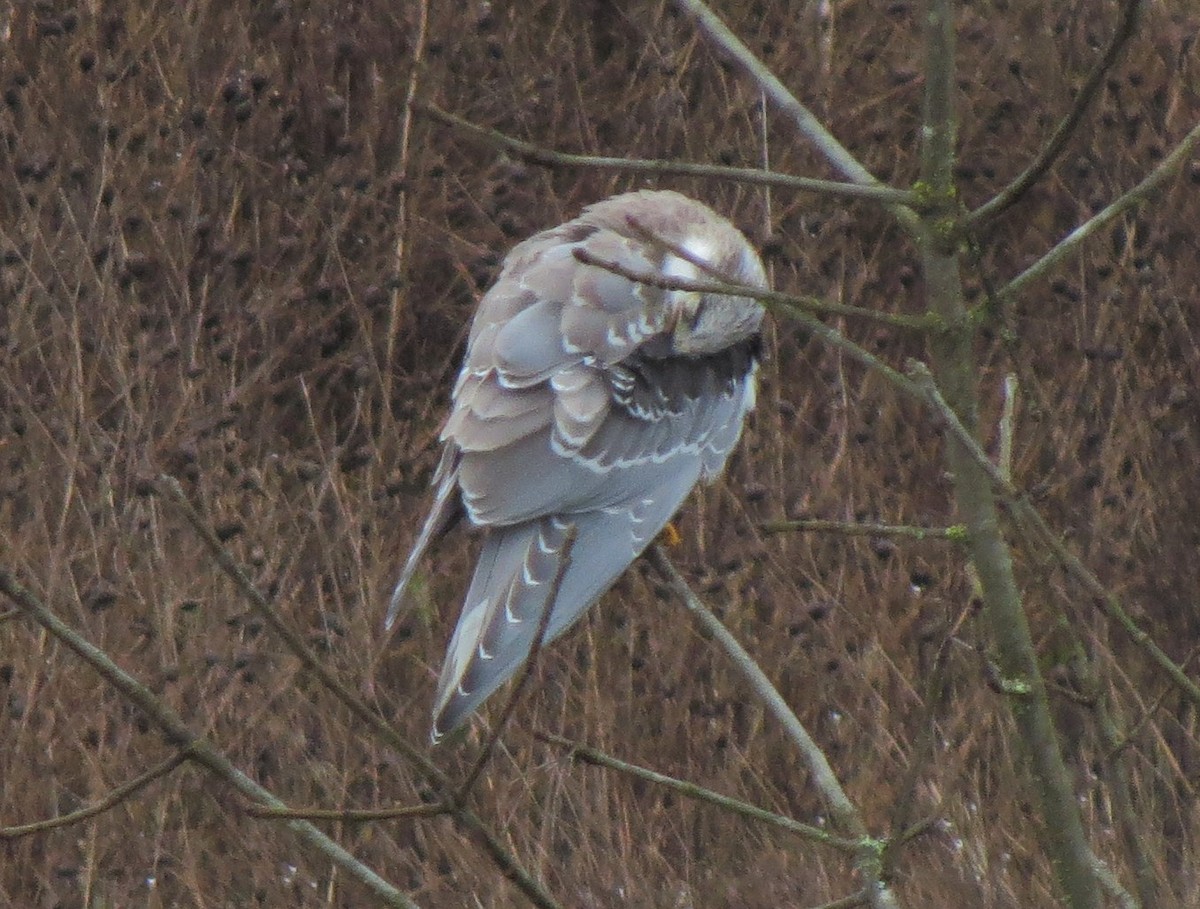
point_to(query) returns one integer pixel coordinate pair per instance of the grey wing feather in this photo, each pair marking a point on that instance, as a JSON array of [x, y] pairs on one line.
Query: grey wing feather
[[442, 513]]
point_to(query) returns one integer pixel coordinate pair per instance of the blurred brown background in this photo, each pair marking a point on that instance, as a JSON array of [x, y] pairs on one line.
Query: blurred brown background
[[205, 237]]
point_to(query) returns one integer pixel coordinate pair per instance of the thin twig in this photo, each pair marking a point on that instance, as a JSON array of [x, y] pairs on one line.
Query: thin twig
[[769, 298], [536, 154], [1166, 169], [110, 800], [868, 850], [1054, 146], [198, 749], [564, 562], [589, 755], [902, 809], [782, 304], [348, 815], [956, 533], [846, 902]]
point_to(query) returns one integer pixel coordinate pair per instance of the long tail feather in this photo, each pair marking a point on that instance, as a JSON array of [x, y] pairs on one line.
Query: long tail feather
[[445, 507], [513, 578]]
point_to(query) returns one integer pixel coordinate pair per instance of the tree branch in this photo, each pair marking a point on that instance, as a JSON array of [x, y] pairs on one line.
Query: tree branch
[[955, 534], [768, 298], [1054, 146], [802, 118], [1131, 199], [197, 749], [589, 755], [536, 154], [952, 356], [386, 733], [110, 800]]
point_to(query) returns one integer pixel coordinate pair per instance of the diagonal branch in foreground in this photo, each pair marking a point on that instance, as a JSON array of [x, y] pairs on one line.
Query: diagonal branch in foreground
[[198, 750], [588, 755], [867, 849], [806, 123], [1166, 169]]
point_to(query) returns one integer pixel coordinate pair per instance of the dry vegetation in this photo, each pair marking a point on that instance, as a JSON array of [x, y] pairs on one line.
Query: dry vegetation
[[203, 233]]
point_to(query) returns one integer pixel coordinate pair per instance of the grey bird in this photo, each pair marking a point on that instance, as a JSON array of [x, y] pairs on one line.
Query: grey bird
[[591, 400]]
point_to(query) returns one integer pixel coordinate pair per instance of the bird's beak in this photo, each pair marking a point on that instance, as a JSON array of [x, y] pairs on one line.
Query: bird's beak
[[687, 308]]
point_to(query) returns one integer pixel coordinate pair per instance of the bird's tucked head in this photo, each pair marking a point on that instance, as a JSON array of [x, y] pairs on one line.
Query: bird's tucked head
[[703, 323], [693, 246]]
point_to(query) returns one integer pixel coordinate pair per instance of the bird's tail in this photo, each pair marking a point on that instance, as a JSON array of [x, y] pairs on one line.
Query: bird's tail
[[513, 579], [445, 508]]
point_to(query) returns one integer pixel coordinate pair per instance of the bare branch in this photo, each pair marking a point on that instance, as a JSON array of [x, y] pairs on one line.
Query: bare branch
[[952, 355], [112, 799], [535, 154], [197, 749], [348, 815], [802, 118], [590, 755], [768, 298], [1165, 170], [500, 856], [955, 534], [1041, 536], [1054, 146]]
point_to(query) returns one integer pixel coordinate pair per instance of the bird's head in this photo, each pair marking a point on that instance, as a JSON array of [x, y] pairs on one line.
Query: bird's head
[[702, 323], [690, 243]]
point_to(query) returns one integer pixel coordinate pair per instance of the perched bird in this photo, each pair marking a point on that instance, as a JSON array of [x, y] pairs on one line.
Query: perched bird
[[591, 400]]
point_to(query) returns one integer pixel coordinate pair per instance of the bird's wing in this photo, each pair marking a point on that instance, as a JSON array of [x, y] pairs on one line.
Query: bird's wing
[[565, 401], [532, 366], [568, 412]]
